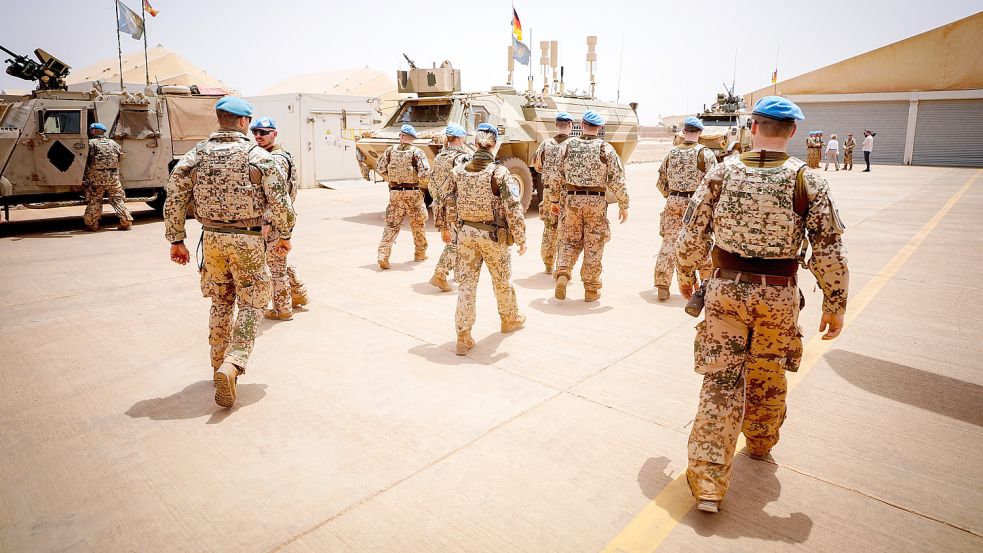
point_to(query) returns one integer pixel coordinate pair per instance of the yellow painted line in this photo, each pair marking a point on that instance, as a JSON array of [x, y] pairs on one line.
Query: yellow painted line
[[646, 532]]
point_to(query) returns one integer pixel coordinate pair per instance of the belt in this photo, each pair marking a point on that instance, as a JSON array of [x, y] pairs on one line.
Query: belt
[[585, 192], [754, 278], [398, 186], [233, 230], [680, 193], [480, 226]]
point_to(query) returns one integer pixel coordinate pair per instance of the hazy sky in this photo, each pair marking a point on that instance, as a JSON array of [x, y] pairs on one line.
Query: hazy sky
[[676, 54]]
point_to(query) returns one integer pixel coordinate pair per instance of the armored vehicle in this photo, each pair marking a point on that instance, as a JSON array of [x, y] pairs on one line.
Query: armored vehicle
[[43, 135], [726, 125], [524, 120]]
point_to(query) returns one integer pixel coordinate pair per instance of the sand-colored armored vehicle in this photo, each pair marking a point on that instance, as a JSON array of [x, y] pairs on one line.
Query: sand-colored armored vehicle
[[727, 127], [524, 120], [43, 135]]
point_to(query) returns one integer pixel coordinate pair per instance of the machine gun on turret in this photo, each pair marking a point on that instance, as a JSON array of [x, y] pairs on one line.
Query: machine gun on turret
[[408, 60], [50, 73]]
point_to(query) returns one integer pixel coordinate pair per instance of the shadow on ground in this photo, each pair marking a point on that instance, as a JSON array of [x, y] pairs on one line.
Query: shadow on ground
[[570, 306], [194, 401], [67, 227], [538, 281], [652, 296]]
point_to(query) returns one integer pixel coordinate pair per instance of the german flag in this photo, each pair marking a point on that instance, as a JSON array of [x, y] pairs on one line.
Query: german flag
[[149, 9], [516, 26]]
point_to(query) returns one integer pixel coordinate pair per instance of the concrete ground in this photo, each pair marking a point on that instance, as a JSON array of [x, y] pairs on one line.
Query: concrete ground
[[358, 429]]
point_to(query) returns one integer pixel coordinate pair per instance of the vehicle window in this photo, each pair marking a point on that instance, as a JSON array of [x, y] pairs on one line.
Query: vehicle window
[[62, 122], [479, 115], [719, 120], [422, 113], [137, 124]]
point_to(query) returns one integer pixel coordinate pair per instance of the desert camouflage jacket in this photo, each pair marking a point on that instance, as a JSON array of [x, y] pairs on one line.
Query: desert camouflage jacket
[[605, 167], [680, 170]]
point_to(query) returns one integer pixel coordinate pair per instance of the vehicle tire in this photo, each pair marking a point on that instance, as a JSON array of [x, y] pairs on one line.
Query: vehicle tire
[[521, 171], [158, 203]]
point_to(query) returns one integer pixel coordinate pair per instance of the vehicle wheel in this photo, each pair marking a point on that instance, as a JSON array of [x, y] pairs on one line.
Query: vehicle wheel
[[158, 203], [521, 171]]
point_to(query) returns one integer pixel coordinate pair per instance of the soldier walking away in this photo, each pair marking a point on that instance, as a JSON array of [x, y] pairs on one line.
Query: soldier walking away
[[755, 210], [546, 161], [833, 152], [848, 145], [451, 156], [233, 184], [590, 168], [102, 179], [405, 168], [868, 147], [812, 151], [681, 172], [485, 198], [288, 289]]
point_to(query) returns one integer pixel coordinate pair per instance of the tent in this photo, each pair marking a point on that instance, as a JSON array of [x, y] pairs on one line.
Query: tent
[[166, 68]]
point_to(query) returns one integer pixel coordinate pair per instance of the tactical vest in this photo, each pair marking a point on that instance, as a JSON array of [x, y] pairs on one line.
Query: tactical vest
[[551, 162], [223, 190], [475, 199], [584, 165], [103, 154], [291, 183], [682, 169], [402, 165], [755, 215], [443, 164]]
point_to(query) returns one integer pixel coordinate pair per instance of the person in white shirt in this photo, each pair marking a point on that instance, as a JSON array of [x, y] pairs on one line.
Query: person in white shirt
[[833, 152], [868, 148]]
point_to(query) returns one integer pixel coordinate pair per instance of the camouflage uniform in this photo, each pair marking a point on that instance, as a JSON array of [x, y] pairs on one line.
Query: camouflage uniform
[[848, 145], [484, 192], [750, 335], [679, 175], [546, 161], [590, 167], [446, 160], [286, 283], [404, 165], [102, 179], [813, 151], [232, 183]]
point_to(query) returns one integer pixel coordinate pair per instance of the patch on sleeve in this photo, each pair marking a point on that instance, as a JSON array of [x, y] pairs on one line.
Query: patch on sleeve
[[690, 210], [514, 188], [837, 221]]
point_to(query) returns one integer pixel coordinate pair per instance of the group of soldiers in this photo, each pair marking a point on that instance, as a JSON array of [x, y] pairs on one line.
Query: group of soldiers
[[815, 152], [734, 231]]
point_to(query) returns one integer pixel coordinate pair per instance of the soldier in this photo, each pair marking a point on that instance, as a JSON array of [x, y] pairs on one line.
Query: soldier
[[590, 167], [233, 185], [755, 210], [451, 156], [680, 173], [102, 179], [812, 150], [546, 162], [405, 168], [484, 196], [288, 290], [848, 145]]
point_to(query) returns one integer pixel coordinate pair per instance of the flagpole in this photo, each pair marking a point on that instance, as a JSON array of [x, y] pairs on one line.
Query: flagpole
[[777, 49], [146, 62], [119, 45]]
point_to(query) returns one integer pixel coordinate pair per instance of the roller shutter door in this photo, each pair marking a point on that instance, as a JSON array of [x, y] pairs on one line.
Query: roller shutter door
[[888, 119], [950, 133]]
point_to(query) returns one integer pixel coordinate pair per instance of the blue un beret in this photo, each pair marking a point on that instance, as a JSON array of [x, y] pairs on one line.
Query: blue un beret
[[593, 118], [563, 116], [235, 106], [488, 128], [97, 126], [263, 123], [408, 129], [778, 108], [693, 122], [455, 130]]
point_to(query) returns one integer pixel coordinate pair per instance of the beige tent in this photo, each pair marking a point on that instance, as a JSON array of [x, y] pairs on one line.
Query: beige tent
[[166, 67], [363, 81]]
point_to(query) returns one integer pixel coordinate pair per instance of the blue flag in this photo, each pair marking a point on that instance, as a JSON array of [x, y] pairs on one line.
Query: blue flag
[[520, 52], [128, 21]]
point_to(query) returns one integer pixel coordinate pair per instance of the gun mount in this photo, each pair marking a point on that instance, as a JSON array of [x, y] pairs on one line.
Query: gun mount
[[50, 73]]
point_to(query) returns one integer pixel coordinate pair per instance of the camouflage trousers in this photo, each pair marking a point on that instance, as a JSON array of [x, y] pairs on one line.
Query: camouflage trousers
[[585, 228], [448, 257], [474, 247], [284, 279], [550, 235], [848, 159], [234, 274], [813, 156], [670, 225], [100, 184], [743, 347], [402, 204]]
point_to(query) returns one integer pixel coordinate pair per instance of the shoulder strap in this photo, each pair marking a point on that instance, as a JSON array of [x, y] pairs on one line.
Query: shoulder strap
[[800, 196], [701, 163]]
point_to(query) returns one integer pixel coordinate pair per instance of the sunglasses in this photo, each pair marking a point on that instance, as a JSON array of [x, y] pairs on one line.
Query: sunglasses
[[261, 132]]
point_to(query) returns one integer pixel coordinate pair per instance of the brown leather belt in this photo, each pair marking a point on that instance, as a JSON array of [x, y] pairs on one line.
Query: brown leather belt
[[754, 278], [585, 192], [480, 225], [680, 193], [403, 186]]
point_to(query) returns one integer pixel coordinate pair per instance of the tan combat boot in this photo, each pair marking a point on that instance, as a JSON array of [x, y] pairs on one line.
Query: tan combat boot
[[274, 315], [440, 281], [549, 268], [299, 299], [384, 263], [125, 225], [420, 255], [560, 292], [708, 506], [464, 342], [92, 228], [663, 292], [512, 326], [591, 295], [225, 385]]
